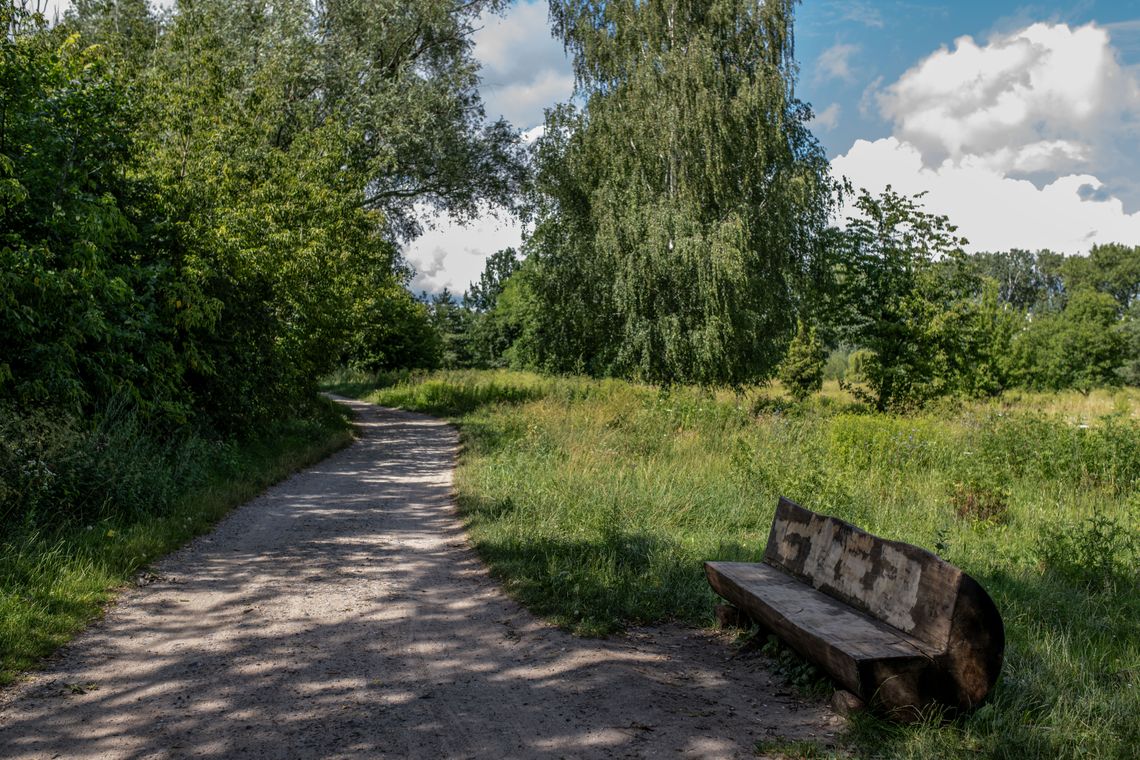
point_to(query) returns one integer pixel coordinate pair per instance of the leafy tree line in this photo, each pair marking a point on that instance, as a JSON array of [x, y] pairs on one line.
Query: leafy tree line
[[930, 320], [684, 231], [906, 313], [201, 211]]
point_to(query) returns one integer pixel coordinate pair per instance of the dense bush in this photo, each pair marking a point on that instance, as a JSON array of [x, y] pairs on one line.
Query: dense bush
[[801, 372], [196, 223], [56, 470]]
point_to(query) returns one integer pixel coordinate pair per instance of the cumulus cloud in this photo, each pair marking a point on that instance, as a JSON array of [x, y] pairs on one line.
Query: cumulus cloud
[[524, 68], [835, 63], [1045, 94], [1026, 141], [994, 211], [453, 255]]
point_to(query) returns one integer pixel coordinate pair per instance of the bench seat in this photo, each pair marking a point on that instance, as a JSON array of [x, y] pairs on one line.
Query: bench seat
[[843, 640], [892, 622]]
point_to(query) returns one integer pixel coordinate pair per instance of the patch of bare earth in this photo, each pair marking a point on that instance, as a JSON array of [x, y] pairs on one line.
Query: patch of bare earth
[[343, 613]]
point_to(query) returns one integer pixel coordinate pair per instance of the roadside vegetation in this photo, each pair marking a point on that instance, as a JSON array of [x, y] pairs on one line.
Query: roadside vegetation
[[596, 501], [194, 227], [202, 212], [107, 502]]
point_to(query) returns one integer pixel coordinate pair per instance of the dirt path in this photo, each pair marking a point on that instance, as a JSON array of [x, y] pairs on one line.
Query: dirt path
[[343, 613]]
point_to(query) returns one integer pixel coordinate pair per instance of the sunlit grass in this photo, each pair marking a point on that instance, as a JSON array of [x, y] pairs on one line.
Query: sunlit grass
[[596, 502]]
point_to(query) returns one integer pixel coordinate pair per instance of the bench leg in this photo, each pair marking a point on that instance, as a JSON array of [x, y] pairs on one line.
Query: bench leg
[[731, 616]]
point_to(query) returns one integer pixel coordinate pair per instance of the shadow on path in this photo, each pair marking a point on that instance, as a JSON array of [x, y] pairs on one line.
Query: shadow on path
[[343, 613]]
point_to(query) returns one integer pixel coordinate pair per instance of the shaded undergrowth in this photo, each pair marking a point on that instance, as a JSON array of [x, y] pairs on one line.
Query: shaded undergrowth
[[95, 505]]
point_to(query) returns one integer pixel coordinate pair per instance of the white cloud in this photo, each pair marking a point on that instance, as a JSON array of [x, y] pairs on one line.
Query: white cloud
[[827, 119], [835, 63], [533, 135], [524, 68], [453, 256], [1028, 141], [869, 97], [861, 13], [1043, 97], [994, 211], [522, 103]]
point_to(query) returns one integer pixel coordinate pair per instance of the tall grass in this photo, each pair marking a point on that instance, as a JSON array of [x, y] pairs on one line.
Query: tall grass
[[596, 502], [85, 509]]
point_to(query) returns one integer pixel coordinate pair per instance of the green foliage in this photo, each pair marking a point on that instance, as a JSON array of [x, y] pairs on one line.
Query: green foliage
[[838, 362], [87, 298], [976, 325], [892, 295], [1101, 553], [1024, 280], [264, 140], [391, 329], [678, 209], [595, 503], [483, 295], [1130, 334], [452, 322], [857, 364], [54, 470], [1079, 347], [801, 372], [126, 28], [1113, 269]]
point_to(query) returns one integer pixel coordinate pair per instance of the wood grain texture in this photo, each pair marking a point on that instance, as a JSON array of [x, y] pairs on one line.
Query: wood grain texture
[[892, 622]]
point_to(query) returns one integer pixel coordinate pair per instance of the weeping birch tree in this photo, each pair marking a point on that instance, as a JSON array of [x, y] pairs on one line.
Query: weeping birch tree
[[678, 210]]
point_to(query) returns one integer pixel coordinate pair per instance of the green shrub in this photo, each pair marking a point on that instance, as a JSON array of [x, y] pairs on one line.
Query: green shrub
[[801, 372], [1100, 553]]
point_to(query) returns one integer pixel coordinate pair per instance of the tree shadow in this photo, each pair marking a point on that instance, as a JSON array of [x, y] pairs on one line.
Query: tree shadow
[[343, 612]]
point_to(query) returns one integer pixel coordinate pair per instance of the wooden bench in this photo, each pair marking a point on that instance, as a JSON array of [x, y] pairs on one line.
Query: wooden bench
[[895, 624]]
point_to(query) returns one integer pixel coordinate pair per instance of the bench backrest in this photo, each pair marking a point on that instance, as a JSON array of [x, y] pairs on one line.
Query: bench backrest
[[902, 585]]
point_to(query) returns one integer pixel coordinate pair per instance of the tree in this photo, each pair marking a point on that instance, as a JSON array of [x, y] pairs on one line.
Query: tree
[[1080, 348], [452, 322], [87, 310], [494, 303], [1113, 269], [802, 369], [975, 324], [1019, 276], [1130, 332], [678, 211], [892, 294], [126, 28], [481, 296], [293, 142]]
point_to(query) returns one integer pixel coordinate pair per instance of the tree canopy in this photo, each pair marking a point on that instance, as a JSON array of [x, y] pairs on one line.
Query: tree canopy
[[678, 208]]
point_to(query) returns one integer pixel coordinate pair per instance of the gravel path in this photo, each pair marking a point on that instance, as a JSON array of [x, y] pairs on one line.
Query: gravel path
[[342, 613]]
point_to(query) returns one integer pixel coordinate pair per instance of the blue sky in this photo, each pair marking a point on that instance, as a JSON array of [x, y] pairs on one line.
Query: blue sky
[[873, 42], [1020, 121]]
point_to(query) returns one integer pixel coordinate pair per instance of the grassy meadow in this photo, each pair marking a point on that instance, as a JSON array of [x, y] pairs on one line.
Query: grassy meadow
[[54, 580], [595, 503]]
